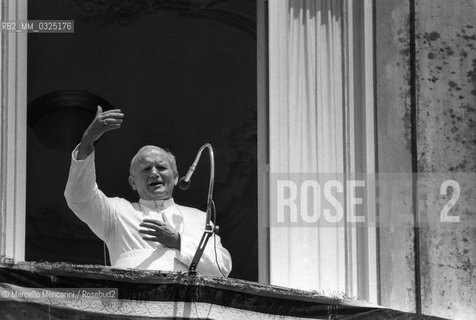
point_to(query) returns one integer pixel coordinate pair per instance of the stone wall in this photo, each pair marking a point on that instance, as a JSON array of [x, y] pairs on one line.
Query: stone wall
[[446, 141], [440, 90]]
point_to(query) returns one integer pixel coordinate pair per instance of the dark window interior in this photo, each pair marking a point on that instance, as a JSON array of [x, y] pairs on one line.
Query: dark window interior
[[183, 72]]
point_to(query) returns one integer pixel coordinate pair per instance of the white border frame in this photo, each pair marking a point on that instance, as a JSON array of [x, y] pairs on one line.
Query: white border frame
[[13, 88]]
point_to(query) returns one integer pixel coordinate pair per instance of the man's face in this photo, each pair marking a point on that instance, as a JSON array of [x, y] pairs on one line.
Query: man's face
[[152, 175]]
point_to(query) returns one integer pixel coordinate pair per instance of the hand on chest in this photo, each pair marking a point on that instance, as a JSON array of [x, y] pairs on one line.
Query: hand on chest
[[170, 215]]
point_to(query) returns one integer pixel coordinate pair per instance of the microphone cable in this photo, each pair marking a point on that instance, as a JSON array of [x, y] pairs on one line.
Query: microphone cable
[[215, 239], [104, 253]]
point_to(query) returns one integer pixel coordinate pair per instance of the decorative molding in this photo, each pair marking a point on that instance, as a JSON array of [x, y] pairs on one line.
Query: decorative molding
[[124, 13], [66, 111]]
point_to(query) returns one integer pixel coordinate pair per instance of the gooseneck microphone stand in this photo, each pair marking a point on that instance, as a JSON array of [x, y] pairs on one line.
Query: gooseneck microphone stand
[[209, 229]]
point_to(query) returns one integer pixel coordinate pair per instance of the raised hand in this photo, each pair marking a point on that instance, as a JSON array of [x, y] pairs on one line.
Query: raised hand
[[102, 122]]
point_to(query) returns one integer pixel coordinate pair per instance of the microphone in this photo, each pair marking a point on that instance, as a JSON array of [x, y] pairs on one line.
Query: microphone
[[183, 184]]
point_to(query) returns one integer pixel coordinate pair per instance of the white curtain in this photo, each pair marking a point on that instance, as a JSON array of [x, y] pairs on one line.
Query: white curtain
[[311, 119]]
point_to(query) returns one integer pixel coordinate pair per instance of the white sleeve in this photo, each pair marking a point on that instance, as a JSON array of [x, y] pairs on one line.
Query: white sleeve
[[208, 261], [86, 200]]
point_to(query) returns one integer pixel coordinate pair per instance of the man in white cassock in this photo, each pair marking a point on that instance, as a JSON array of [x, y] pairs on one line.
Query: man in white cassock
[[154, 233]]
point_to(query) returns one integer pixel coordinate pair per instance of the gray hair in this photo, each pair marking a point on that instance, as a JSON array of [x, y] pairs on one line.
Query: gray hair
[[169, 154]]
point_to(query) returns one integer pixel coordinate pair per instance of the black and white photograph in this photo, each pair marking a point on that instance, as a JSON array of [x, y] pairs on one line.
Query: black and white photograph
[[238, 159]]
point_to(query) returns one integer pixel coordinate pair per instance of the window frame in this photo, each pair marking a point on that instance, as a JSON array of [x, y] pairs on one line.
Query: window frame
[[13, 132]]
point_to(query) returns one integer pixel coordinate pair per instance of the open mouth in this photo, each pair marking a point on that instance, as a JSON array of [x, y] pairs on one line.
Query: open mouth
[[155, 184]]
